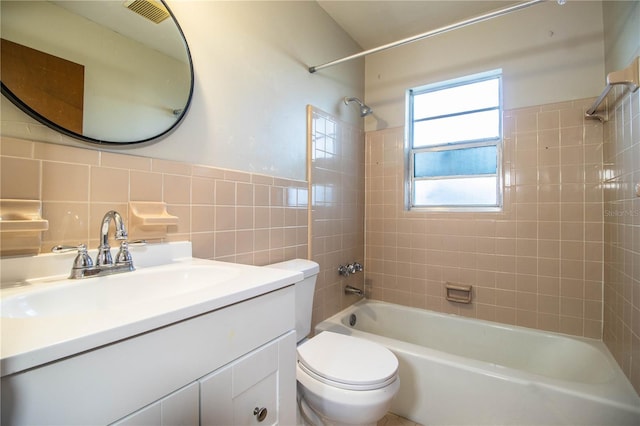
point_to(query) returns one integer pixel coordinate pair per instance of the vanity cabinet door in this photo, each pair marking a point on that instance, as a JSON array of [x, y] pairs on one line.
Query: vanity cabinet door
[[256, 389], [180, 408]]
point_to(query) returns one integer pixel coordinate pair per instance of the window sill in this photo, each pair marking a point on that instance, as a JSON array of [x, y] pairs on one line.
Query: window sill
[[470, 209]]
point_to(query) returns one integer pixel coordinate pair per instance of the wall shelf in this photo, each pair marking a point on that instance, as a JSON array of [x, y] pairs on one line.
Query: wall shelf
[[21, 226], [149, 219], [629, 77]]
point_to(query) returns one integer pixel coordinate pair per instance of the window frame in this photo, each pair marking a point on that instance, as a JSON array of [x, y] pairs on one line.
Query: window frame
[[410, 151]]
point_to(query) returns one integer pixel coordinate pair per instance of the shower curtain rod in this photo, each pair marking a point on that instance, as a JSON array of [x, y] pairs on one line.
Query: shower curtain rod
[[431, 33]]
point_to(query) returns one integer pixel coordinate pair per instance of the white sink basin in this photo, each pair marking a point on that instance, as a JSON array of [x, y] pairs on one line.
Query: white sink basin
[[114, 292]]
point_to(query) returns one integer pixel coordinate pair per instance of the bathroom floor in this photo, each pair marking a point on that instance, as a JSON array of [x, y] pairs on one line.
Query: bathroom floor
[[393, 420]]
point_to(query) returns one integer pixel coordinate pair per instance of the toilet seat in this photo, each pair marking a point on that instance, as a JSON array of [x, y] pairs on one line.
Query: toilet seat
[[347, 362]]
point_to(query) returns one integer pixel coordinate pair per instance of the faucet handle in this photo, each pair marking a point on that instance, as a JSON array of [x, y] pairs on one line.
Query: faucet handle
[[344, 270], [82, 260], [64, 249], [123, 258], [123, 255]]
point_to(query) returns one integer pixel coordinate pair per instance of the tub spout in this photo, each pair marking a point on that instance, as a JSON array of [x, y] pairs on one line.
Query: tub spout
[[352, 290]]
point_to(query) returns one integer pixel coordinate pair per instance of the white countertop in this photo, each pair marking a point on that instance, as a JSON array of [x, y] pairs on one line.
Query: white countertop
[[31, 341]]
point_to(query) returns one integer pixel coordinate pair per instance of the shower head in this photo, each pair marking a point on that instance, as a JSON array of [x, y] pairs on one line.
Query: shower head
[[364, 110]]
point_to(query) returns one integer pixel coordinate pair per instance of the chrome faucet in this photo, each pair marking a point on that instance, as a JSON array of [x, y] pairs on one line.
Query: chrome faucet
[[83, 266]]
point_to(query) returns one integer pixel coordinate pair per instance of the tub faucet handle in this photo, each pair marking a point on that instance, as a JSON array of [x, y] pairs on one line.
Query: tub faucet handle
[[344, 270], [354, 267]]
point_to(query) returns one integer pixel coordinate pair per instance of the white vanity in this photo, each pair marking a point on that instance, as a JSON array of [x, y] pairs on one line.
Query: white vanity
[[178, 341]]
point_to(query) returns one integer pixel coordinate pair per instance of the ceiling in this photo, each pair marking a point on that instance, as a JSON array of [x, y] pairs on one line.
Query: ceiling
[[369, 23], [375, 23]]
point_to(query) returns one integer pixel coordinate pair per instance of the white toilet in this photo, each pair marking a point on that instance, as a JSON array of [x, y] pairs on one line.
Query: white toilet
[[342, 380]]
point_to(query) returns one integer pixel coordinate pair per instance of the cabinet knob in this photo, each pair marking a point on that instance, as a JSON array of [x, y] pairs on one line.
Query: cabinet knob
[[260, 413]]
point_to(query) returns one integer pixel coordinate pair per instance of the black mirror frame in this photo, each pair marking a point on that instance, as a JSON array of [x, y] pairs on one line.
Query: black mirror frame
[[38, 117]]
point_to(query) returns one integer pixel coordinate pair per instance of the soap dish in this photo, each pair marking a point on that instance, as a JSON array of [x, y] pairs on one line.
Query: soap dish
[[21, 226], [149, 219]]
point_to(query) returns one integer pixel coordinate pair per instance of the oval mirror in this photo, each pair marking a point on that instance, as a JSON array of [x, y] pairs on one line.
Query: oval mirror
[[103, 71]]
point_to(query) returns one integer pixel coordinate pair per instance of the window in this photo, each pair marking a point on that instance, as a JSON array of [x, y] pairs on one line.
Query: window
[[454, 144]]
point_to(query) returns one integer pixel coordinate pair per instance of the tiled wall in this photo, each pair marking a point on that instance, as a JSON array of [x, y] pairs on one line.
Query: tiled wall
[[538, 263], [228, 215], [622, 234], [337, 182]]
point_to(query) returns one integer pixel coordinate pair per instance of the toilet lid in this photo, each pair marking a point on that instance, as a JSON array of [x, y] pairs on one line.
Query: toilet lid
[[347, 362]]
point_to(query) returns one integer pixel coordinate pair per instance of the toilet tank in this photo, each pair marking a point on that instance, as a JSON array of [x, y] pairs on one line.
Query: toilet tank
[[304, 291]]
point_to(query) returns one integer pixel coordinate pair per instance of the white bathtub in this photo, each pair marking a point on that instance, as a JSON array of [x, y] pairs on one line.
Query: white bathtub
[[459, 371]]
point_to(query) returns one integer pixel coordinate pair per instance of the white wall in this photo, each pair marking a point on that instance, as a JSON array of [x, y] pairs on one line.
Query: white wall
[[251, 86], [548, 53], [621, 33]]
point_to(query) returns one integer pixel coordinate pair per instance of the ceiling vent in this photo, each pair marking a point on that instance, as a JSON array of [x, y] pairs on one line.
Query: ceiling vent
[[150, 9]]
